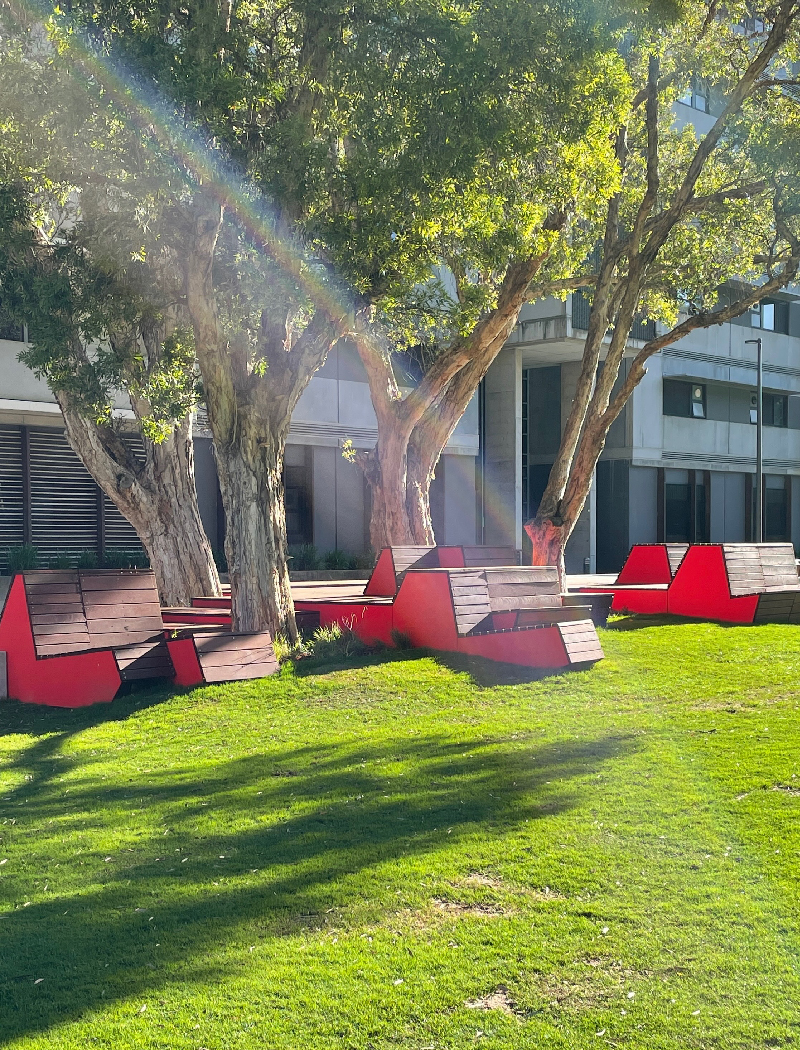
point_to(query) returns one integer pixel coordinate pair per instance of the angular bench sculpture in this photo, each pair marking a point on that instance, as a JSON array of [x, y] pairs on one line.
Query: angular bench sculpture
[[71, 638], [731, 582], [504, 612]]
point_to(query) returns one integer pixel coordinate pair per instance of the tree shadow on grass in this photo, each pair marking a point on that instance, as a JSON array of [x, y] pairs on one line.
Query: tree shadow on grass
[[39, 719], [275, 841]]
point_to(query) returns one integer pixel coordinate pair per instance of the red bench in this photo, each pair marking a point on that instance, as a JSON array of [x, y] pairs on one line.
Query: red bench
[[731, 582], [71, 638]]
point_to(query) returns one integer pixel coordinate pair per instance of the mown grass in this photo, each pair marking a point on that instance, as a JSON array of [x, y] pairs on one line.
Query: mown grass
[[347, 859]]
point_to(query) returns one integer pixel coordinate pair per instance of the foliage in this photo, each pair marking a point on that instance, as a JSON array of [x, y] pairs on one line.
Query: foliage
[[87, 560], [335, 643], [337, 559], [117, 559], [24, 557], [305, 556], [267, 860]]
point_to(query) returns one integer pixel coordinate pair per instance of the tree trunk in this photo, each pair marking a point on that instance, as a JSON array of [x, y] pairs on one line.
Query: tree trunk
[[251, 481], [384, 469], [548, 541], [159, 499]]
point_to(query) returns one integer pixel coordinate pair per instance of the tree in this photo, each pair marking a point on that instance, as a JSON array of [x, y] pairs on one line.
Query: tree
[[701, 227], [96, 333], [520, 215], [287, 135]]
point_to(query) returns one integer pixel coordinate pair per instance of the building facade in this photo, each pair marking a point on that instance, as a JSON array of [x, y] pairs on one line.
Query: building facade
[[48, 500]]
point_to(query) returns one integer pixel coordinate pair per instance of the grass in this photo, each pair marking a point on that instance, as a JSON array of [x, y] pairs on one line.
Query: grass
[[411, 853]]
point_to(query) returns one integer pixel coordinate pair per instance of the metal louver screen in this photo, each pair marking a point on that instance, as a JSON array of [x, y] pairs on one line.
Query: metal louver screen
[[11, 509], [63, 498], [120, 535]]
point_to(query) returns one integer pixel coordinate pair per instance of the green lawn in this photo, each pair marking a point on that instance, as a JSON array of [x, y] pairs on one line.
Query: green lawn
[[347, 859]]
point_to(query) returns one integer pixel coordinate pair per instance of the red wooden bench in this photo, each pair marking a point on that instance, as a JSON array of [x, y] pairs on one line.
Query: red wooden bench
[[732, 582], [509, 614], [71, 638]]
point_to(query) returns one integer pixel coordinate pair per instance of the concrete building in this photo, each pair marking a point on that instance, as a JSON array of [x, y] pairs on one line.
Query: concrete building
[[47, 498]]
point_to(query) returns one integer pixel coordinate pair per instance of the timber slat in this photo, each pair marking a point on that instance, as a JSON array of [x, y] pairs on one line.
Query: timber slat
[[229, 641], [239, 674], [528, 601], [117, 583]]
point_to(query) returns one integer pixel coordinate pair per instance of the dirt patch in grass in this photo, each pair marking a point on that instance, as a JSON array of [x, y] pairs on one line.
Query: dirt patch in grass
[[599, 981], [497, 1000], [481, 909]]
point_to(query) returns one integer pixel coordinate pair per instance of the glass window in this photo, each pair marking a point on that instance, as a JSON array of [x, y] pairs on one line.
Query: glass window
[[677, 512], [770, 314], [776, 510], [682, 398]]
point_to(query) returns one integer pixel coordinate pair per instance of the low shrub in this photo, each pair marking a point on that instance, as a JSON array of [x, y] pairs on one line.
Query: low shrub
[[339, 560], [303, 558], [87, 560], [125, 560], [24, 557], [61, 561], [335, 642]]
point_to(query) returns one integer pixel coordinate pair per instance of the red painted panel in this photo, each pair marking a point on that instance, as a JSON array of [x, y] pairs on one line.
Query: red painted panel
[[701, 589], [211, 603], [534, 647], [383, 581], [503, 621], [370, 621], [60, 681], [423, 609], [207, 617], [646, 563], [451, 557], [184, 659]]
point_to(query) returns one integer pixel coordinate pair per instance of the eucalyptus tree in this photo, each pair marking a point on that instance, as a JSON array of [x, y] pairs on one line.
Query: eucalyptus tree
[[702, 226], [287, 138], [100, 329]]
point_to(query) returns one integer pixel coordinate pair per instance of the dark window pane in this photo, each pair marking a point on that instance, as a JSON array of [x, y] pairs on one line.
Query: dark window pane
[[775, 515], [700, 511], [677, 398], [678, 513]]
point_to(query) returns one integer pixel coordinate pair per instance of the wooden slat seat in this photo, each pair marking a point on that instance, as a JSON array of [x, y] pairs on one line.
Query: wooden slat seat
[[117, 614], [760, 568], [484, 556]]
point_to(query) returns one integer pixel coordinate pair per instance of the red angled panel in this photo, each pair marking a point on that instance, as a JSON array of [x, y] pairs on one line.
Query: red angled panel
[[451, 557], [188, 671], [371, 621], [532, 647], [383, 581], [423, 610], [75, 680], [646, 563], [700, 589]]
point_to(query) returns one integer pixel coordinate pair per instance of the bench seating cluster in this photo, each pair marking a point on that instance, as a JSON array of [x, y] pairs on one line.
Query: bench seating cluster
[[731, 582], [458, 599], [71, 638]]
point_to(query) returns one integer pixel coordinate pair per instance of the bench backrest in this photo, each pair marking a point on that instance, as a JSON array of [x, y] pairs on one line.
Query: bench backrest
[[74, 611], [479, 592], [649, 563], [482, 556], [760, 568]]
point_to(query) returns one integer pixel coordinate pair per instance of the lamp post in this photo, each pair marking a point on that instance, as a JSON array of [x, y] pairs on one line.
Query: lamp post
[[759, 444]]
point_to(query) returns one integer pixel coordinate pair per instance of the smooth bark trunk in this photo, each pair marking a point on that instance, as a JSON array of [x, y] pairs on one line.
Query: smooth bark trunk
[[159, 499]]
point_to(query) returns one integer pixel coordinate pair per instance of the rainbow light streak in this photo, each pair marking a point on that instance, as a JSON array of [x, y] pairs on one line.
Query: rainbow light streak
[[194, 160]]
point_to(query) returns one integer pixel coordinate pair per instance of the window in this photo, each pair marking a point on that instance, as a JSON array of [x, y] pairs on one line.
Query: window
[[686, 399], [685, 506], [772, 315], [776, 410], [776, 509], [696, 97]]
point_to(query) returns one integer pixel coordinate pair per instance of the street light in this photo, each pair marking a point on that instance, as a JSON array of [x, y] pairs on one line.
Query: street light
[[759, 444]]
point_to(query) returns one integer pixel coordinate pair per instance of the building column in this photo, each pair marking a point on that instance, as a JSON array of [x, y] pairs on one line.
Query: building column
[[502, 438]]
